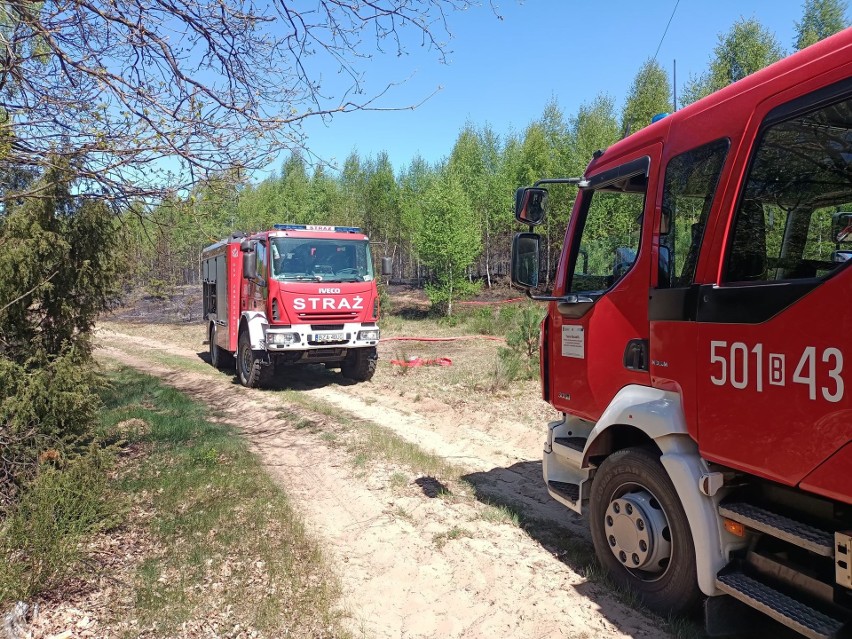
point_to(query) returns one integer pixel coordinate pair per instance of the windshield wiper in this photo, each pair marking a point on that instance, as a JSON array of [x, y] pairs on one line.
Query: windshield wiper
[[300, 278]]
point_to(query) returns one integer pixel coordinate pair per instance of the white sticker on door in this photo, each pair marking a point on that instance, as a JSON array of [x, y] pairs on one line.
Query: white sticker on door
[[573, 342]]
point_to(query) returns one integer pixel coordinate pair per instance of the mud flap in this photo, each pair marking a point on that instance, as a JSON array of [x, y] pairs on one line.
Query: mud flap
[[724, 616]]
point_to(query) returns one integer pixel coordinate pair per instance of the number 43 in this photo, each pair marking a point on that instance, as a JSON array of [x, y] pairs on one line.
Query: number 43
[[734, 363]]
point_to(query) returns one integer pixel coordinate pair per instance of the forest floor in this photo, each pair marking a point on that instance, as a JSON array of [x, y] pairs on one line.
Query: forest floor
[[424, 486]]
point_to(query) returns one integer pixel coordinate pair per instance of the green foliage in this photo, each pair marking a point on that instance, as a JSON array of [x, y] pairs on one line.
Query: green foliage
[[385, 302], [45, 403], [593, 128], [491, 320], [446, 243], [521, 359], [159, 289], [746, 48], [59, 268], [649, 95], [40, 540], [820, 19], [443, 292]]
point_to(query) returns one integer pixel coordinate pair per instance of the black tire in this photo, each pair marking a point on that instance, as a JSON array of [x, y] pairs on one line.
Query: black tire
[[637, 519], [250, 368], [360, 364], [219, 357]]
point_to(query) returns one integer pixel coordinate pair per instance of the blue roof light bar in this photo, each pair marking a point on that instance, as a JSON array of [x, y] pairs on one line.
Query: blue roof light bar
[[316, 227]]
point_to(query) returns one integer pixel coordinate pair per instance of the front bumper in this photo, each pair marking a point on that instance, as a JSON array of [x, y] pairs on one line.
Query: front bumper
[[303, 337]]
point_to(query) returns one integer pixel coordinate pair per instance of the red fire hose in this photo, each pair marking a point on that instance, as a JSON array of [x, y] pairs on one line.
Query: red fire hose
[[419, 361], [477, 303], [442, 339]]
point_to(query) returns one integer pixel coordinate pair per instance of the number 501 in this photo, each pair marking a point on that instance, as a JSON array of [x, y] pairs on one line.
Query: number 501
[[741, 366]]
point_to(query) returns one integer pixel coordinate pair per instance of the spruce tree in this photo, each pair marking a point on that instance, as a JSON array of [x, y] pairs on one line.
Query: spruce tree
[[59, 268]]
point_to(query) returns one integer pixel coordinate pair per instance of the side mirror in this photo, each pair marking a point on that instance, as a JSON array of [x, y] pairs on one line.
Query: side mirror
[[387, 266], [530, 205], [249, 260], [841, 223], [839, 257], [526, 260]]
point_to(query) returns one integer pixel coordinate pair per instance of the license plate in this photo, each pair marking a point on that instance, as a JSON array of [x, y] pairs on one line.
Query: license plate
[[329, 337]]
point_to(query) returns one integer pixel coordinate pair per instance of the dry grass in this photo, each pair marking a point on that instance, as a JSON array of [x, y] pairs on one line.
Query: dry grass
[[475, 381]]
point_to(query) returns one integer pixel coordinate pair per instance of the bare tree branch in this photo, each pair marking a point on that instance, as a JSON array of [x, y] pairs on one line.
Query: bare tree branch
[[117, 87]]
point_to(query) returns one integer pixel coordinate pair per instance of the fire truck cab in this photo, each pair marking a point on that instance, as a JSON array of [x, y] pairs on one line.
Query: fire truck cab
[[698, 340], [296, 294]]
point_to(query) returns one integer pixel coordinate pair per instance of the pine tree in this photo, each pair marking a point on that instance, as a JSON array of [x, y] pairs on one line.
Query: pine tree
[[820, 19]]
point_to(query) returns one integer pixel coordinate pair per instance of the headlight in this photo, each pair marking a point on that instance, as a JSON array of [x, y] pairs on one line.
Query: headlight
[[282, 339], [369, 335]]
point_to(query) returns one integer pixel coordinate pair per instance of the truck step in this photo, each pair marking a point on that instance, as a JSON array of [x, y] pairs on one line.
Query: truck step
[[577, 443], [802, 535], [569, 492], [794, 614], [570, 448]]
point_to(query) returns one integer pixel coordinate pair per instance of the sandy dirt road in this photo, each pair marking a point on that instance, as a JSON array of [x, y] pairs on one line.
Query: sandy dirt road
[[412, 562]]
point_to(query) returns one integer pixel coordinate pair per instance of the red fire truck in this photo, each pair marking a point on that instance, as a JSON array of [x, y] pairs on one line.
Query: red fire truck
[[293, 295], [698, 342]]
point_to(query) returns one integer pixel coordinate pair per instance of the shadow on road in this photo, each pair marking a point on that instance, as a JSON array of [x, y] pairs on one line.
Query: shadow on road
[[521, 490], [300, 377], [431, 487]]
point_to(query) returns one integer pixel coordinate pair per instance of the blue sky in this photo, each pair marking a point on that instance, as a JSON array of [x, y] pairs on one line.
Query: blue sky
[[504, 72]]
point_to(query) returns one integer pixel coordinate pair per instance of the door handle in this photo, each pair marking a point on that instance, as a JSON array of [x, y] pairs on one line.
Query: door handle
[[636, 355]]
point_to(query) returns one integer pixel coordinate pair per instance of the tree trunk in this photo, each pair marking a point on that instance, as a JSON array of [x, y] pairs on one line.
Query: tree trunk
[[450, 295], [487, 256]]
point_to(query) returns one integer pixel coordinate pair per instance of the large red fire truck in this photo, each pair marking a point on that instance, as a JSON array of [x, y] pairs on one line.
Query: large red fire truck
[[698, 340], [296, 294]]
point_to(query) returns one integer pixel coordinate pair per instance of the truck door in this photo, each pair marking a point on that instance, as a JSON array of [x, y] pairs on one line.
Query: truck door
[[773, 329], [257, 288], [689, 192], [601, 335]]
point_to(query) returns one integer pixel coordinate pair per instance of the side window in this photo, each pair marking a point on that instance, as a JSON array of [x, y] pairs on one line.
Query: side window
[[688, 192], [789, 223], [612, 227], [261, 260]]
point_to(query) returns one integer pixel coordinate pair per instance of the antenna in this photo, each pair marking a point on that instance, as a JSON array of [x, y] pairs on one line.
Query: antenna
[[674, 82]]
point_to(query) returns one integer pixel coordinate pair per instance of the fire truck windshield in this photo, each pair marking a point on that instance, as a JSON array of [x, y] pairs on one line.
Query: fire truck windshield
[[321, 260]]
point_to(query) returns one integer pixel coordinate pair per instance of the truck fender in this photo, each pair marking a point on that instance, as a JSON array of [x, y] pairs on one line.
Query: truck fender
[[659, 415], [256, 324]]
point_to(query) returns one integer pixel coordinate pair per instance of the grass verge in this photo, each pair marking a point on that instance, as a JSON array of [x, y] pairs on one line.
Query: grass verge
[[226, 545], [40, 542]]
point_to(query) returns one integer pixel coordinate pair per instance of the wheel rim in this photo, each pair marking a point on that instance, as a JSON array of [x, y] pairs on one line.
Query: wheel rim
[[245, 360], [637, 532]]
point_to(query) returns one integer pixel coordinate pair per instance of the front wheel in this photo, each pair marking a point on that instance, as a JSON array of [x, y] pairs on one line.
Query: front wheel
[[360, 364], [249, 362], [640, 531]]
